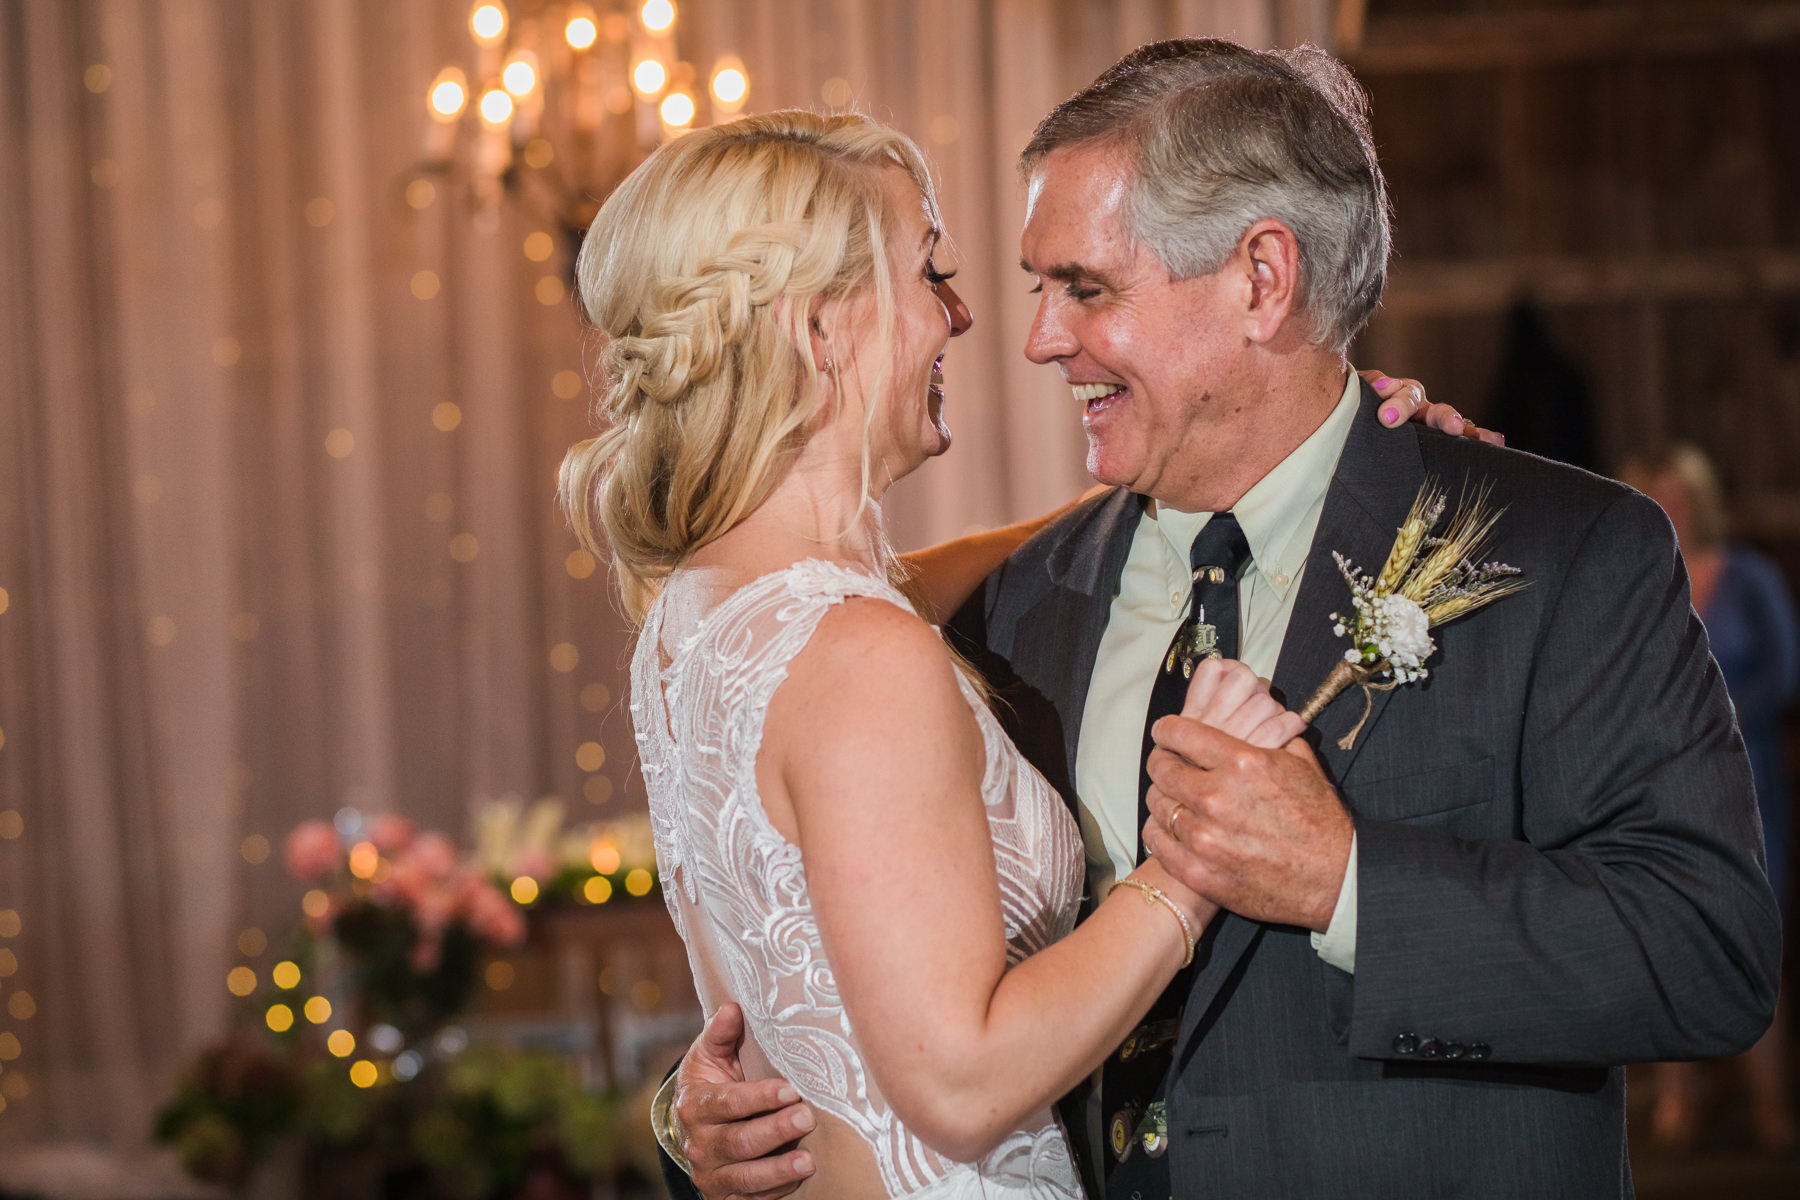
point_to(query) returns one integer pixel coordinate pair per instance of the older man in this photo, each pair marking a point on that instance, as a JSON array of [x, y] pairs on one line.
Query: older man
[[1538, 864]]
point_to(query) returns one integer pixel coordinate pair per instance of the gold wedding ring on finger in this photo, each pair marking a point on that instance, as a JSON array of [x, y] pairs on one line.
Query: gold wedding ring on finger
[[1174, 815]]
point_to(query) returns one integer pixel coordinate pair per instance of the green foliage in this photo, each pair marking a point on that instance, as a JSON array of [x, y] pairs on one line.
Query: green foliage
[[476, 1124]]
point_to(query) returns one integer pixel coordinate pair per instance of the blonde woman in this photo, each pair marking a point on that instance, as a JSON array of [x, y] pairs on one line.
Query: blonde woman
[[851, 848]]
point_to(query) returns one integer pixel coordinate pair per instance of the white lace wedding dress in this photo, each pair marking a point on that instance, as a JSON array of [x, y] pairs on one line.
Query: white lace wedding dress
[[737, 888]]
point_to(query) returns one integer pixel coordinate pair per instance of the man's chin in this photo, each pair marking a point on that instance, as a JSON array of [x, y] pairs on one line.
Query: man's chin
[[1101, 469]]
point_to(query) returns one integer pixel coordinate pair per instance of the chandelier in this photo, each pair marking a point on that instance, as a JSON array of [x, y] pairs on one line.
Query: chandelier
[[561, 100]]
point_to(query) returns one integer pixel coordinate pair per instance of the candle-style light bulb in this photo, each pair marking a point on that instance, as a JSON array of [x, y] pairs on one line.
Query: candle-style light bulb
[[520, 75], [496, 106], [581, 31], [678, 109], [649, 77], [730, 84], [487, 22], [657, 15], [449, 92]]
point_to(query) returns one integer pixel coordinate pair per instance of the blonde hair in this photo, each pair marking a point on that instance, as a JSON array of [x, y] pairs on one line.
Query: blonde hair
[[1694, 471], [702, 272]]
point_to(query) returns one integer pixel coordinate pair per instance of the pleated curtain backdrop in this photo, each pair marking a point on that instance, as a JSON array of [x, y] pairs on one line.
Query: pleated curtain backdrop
[[254, 569]]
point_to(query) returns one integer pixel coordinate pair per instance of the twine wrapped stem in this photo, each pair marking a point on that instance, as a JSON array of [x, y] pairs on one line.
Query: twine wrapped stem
[[1342, 676]]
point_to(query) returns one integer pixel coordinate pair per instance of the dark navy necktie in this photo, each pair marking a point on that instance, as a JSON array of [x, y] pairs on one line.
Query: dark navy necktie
[[1134, 1080], [1218, 557]]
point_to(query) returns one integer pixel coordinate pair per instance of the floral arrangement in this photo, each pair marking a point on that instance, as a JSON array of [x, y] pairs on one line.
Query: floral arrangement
[[1427, 580], [347, 1049], [406, 917]]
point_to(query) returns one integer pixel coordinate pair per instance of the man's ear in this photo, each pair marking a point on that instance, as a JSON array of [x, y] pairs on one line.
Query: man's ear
[[1269, 256]]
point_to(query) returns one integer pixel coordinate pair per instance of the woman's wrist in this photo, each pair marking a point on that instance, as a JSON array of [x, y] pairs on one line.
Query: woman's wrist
[[1198, 908], [1157, 898]]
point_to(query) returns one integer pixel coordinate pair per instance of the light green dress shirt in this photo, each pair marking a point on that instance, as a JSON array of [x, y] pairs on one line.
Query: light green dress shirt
[[1279, 516]]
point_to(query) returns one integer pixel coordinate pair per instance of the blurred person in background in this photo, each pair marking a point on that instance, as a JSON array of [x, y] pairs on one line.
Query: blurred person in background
[[1749, 616]]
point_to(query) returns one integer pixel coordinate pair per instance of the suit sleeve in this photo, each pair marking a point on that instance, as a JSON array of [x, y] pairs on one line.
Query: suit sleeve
[[1631, 918]]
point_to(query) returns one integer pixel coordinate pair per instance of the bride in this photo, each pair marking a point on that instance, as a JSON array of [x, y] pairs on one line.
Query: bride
[[851, 849]]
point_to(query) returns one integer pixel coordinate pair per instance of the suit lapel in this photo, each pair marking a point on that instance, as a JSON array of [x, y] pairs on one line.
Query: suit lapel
[[1063, 629], [1376, 478]]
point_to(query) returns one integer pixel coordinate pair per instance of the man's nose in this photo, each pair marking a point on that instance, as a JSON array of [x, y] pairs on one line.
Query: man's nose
[[1048, 339]]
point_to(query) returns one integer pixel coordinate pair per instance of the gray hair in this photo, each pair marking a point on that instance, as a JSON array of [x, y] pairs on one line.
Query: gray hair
[[1226, 136]]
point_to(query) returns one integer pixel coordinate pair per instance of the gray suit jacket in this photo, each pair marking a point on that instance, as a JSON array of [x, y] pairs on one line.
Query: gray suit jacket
[[1560, 870]]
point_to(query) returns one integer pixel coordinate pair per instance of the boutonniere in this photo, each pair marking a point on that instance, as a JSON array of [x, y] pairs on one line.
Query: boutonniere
[[1428, 579]]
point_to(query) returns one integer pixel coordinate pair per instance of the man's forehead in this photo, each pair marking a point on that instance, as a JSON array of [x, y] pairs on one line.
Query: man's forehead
[[1075, 203]]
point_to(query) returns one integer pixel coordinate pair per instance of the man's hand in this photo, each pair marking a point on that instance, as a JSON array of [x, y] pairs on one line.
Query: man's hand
[[1260, 832], [1406, 402], [735, 1133]]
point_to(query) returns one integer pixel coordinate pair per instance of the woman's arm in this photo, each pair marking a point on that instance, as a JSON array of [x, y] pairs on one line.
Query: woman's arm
[[888, 813], [948, 573]]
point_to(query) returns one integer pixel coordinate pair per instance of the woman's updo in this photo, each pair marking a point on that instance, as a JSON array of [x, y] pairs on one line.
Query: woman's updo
[[700, 272]]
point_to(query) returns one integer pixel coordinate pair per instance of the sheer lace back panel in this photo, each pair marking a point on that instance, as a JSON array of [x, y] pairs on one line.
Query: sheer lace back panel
[[737, 888]]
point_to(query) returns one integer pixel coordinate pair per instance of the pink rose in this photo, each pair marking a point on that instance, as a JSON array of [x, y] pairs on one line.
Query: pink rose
[[312, 850], [391, 833], [432, 855], [433, 909], [496, 919]]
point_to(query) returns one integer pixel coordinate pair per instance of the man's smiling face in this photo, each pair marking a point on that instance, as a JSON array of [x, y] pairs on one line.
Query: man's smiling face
[[1150, 359]]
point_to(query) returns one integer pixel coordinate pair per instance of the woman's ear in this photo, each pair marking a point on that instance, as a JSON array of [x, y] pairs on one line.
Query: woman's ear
[[821, 344]]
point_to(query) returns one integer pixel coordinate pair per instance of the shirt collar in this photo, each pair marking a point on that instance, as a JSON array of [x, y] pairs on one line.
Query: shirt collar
[[1273, 512]]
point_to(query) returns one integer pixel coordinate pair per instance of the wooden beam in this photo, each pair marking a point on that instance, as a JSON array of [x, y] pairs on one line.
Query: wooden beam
[[1449, 287], [1541, 37], [1771, 514]]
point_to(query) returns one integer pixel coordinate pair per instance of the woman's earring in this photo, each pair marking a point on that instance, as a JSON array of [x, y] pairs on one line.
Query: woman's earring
[[826, 366]]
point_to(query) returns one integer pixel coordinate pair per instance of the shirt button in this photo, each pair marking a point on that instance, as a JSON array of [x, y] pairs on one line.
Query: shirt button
[[1279, 579], [1174, 599]]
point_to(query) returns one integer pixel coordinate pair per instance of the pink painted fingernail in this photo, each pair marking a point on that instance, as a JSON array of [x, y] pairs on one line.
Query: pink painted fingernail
[[1384, 381], [1390, 414]]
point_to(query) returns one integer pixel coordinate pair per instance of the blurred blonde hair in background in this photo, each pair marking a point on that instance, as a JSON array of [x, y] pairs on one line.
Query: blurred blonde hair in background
[[1694, 471]]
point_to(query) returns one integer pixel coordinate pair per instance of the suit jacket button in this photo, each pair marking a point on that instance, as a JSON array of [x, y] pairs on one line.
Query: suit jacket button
[[1406, 1043], [1453, 1050], [1479, 1051], [1430, 1048]]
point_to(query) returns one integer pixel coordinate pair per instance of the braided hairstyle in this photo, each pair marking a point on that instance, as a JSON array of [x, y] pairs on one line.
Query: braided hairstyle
[[700, 273]]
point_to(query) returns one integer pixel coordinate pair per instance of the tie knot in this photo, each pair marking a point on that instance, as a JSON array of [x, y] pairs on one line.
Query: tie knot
[[1222, 546]]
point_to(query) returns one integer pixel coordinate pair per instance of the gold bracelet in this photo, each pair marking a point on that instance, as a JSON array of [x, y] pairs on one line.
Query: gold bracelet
[[1155, 895]]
